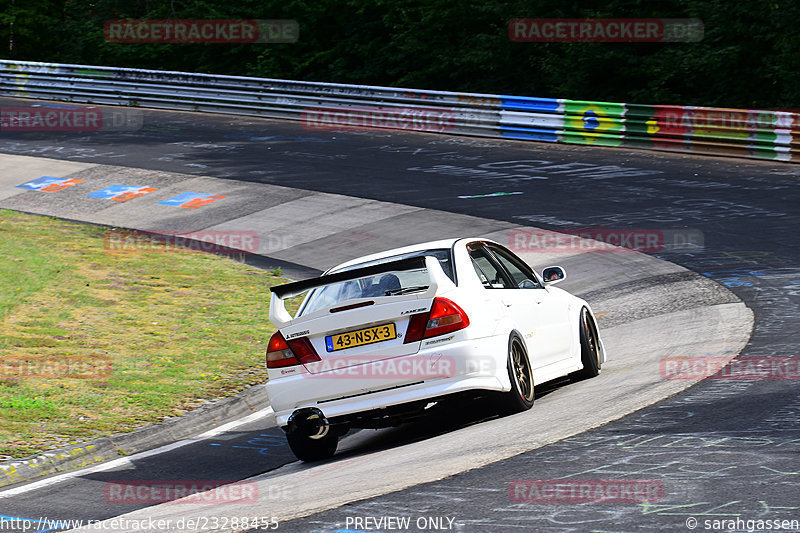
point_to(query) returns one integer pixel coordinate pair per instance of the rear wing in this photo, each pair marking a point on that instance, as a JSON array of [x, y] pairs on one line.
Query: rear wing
[[280, 317]]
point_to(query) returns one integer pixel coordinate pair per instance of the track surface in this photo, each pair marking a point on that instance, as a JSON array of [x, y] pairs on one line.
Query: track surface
[[724, 449]]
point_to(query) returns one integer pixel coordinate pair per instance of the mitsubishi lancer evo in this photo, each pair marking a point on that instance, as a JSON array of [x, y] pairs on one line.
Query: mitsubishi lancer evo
[[379, 339]]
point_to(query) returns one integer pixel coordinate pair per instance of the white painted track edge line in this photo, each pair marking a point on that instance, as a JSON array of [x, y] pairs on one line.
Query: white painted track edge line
[[122, 461]]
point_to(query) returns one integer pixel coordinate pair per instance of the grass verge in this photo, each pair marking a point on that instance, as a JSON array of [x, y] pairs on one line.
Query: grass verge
[[94, 343]]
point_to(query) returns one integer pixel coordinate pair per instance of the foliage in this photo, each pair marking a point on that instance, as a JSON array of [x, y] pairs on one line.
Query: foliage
[[747, 58]]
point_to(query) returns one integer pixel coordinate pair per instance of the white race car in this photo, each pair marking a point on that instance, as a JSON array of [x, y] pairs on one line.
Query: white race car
[[380, 338]]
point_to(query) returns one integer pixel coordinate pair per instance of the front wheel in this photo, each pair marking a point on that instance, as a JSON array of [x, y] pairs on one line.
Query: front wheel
[[520, 397], [590, 348]]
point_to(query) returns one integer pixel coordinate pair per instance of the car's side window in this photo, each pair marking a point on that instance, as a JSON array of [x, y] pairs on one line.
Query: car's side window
[[491, 277], [522, 274]]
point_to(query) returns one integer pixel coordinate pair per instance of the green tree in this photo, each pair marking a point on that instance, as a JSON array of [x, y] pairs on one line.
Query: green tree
[[747, 58]]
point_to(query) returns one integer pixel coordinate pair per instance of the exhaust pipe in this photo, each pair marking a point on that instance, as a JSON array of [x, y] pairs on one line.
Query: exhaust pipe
[[309, 422]]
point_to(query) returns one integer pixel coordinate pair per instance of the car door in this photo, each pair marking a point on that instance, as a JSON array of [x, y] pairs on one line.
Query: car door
[[507, 298], [550, 336]]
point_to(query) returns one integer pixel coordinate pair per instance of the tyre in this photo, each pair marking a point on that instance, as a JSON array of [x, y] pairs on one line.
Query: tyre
[[520, 397], [316, 448], [590, 348]]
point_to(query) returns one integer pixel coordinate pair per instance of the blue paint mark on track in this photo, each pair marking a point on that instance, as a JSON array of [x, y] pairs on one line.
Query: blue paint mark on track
[[120, 192], [192, 200], [264, 444], [48, 183]]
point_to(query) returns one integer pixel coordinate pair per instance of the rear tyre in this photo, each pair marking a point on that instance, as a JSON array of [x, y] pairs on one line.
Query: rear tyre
[[590, 348], [520, 397], [315, 448]]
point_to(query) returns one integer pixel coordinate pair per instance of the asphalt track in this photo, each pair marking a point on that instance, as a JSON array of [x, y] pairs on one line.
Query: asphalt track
[[723, 449]]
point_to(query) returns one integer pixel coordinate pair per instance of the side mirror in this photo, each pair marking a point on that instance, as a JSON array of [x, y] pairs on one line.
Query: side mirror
[[553, 274]]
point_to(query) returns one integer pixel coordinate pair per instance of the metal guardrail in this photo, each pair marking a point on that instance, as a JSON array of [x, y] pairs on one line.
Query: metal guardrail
[[762, 134]]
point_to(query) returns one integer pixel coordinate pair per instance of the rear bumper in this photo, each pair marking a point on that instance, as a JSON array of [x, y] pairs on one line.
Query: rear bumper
[[398, 396], [438, 370]]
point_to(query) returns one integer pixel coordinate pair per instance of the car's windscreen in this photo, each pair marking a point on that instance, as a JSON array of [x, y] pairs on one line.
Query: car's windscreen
[[390, 283]]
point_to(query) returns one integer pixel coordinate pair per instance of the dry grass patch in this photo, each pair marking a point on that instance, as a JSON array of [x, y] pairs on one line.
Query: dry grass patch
[[93, 343]]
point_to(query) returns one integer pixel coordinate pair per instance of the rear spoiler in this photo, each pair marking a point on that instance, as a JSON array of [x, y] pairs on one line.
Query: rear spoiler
[[279, 316]]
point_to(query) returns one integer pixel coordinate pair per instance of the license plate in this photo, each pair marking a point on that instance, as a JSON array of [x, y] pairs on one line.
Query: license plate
[[360, 337]]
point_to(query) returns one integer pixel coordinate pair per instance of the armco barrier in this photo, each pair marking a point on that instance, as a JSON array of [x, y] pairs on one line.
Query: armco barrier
[[773, 135], [755, 133]]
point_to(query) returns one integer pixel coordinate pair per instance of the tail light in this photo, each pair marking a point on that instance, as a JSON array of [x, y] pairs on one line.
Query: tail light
[[282, 353], [444, 317]]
